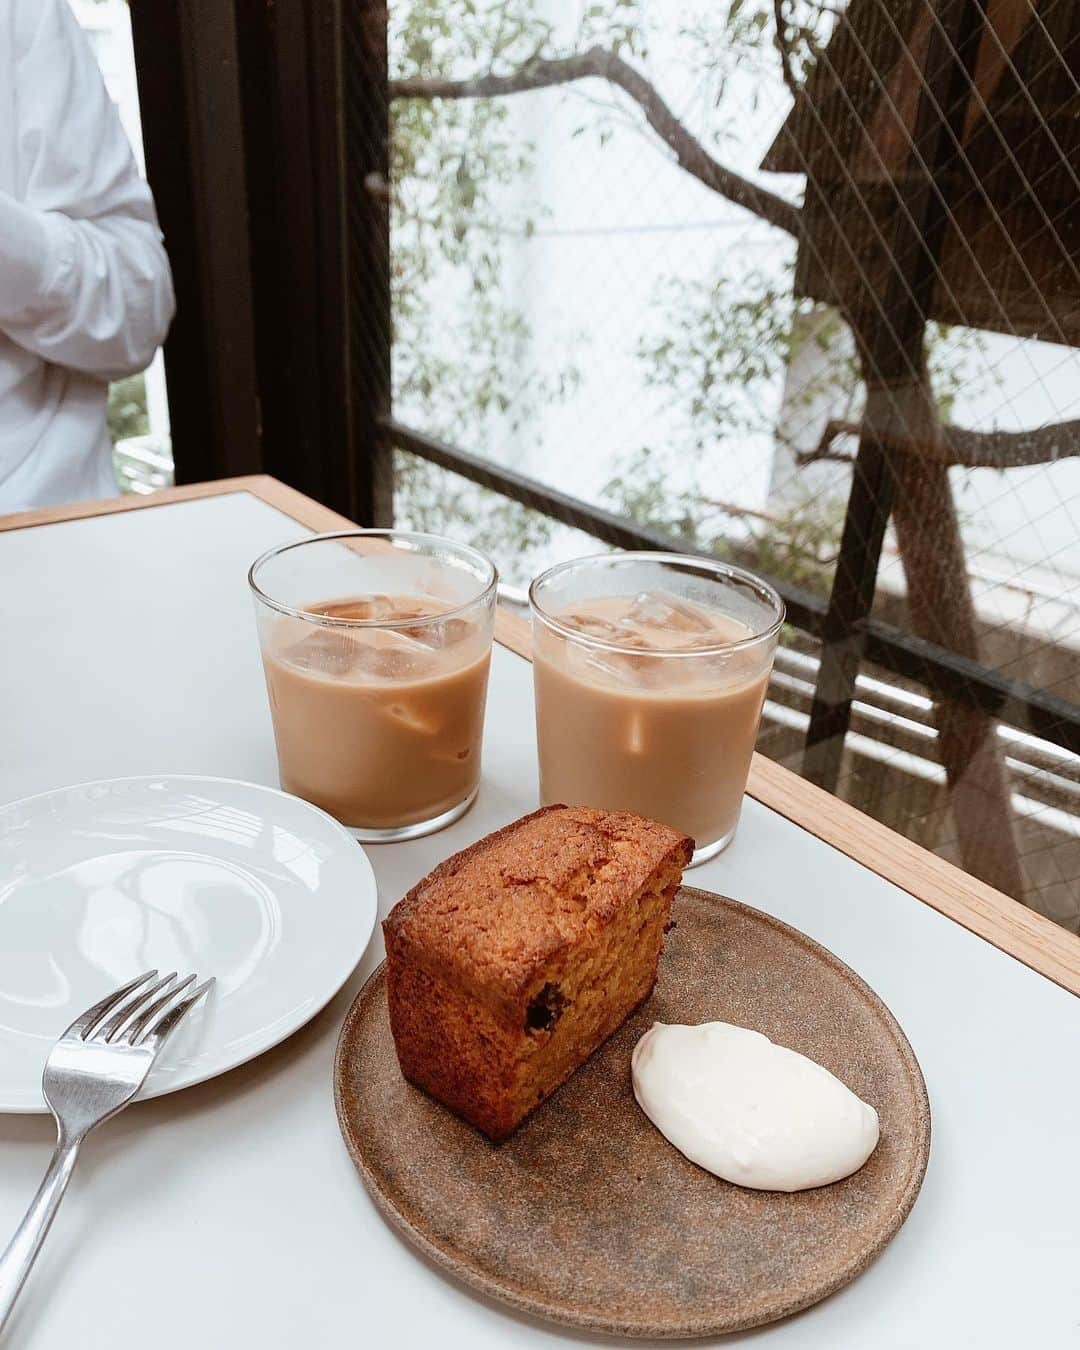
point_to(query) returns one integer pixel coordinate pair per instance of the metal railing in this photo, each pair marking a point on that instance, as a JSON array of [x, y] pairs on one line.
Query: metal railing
[[942, 672]]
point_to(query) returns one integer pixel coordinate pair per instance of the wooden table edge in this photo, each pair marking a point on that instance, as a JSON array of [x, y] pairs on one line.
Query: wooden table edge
[[1005, 923]]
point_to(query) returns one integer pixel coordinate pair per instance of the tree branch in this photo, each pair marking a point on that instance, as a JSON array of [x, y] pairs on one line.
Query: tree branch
[[1012, 449], [960, 448], [822, 453], [597, 63], [780, 42]]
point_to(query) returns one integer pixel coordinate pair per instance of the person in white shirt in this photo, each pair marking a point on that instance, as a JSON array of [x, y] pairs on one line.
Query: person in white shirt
[[85, 289]]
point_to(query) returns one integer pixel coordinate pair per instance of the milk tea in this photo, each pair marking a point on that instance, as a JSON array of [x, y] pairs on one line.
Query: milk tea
[[664, 726], [381, 727]]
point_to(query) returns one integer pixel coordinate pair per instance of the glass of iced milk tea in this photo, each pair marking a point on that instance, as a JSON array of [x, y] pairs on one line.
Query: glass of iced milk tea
[[650, 671], [376, 646]]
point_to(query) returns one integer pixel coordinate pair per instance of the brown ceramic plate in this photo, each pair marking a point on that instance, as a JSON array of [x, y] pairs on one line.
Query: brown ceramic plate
[[587, 1215]]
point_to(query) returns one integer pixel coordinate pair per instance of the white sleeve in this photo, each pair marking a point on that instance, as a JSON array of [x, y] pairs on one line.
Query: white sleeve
[[84, 280]]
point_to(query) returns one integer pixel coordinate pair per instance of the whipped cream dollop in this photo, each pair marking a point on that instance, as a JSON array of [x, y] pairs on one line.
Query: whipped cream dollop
[[752, 1112]]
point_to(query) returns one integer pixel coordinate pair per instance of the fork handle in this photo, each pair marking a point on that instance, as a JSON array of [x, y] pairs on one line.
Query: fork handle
[[23, 1248]]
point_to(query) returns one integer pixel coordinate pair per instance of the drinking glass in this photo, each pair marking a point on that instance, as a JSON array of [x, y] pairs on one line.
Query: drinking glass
[[376, 646], [650, 672]]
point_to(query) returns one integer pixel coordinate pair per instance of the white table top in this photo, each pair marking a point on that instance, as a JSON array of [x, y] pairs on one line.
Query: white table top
[[231, 1214]]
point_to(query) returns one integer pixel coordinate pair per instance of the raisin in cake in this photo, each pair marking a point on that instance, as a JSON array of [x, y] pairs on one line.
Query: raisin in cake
[[515, 959]]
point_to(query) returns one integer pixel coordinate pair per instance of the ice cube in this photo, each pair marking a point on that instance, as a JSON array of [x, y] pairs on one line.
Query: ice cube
[[596, 661], [713, 637], [730, 669], [375, 608], [621, 668], [661, 609], [441, 633], [328, 651], [423, 723], [636, 740], [362, 607], [653, 672], [591, 625], [393, 655]]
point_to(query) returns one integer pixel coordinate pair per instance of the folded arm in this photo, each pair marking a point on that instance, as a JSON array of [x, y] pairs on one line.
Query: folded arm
[[84, 280]]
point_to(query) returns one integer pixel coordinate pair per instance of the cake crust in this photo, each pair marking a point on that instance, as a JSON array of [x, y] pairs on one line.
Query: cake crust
[[513, 960], [490, 918]]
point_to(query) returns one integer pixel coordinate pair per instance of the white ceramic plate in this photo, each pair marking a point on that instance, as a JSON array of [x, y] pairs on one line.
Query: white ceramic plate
[[105, 880]]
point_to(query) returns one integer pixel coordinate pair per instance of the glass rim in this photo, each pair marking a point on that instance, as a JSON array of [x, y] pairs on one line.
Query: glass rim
[[687, 561], [414, 536]]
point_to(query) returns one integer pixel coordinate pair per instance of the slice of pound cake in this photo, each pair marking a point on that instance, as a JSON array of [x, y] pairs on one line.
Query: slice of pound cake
[[516, 958]]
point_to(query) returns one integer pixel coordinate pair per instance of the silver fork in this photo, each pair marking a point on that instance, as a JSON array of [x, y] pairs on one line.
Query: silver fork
[[93, 1071]]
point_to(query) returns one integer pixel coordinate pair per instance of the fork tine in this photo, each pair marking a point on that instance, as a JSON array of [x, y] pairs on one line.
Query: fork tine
[[111, 1029], [159, 1031], [87, 1021], [134, 1032]]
